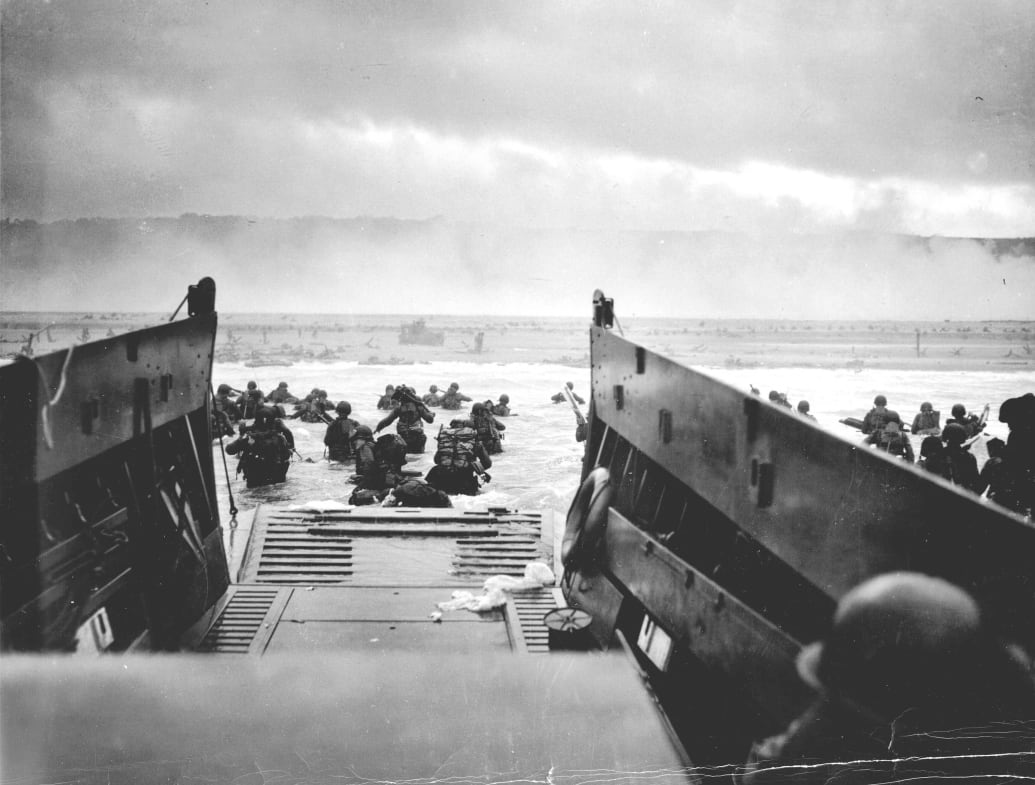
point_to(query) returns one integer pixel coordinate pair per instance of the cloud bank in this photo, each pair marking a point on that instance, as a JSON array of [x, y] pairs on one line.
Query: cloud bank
[[895, 117]]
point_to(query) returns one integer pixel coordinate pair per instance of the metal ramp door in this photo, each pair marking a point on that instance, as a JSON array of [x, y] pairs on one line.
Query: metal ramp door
[[368, 579]]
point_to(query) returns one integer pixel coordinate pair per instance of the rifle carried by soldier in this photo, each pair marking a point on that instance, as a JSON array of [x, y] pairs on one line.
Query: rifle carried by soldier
[[581, 426]]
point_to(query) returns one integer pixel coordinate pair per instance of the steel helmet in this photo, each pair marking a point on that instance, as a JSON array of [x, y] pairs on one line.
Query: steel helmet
[[803, 406], [958, 410], [504, 398], [363, 432], [996, 447], [954, 433], [880, 400], [477, 407], [931, 445], [223, 389], [927, 406], [1019, 411], [252, 386], [899, 640], [433, 388], [344, 408]]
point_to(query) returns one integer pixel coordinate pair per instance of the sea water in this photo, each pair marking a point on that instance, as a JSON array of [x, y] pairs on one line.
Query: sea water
[[541, 463]]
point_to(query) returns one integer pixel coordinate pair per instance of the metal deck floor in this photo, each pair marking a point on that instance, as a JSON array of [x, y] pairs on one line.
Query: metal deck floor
[[369, 580]]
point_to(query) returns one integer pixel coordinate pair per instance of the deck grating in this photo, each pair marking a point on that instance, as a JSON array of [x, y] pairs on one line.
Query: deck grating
[[238, 624]]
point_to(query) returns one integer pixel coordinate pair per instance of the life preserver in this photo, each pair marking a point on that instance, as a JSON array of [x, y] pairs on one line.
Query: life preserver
[[587, 518]]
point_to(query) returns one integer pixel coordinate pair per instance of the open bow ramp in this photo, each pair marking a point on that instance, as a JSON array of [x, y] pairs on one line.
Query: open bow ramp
[[371, 579]]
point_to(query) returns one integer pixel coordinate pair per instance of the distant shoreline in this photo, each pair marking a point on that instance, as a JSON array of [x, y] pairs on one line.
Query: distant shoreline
[[280, 339]]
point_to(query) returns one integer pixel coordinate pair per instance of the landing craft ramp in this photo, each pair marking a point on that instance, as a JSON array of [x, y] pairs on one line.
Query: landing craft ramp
[[368, 579]]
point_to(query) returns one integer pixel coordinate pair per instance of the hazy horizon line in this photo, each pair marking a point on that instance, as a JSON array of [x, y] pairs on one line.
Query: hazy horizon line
[[441, 219], [160, 316]]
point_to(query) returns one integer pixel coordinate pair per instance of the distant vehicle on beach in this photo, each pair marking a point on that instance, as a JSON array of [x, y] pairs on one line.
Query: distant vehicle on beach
[[417, 332]]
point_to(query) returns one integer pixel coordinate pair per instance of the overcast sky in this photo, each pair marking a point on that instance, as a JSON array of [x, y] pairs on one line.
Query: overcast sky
[[894, 116]]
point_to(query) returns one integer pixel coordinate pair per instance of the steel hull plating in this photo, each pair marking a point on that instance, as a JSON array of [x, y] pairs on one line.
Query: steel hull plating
[[106, 491], [736, 526]]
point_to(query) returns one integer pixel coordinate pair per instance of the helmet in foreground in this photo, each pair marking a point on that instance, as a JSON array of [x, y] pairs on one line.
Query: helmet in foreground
[[906, 641]]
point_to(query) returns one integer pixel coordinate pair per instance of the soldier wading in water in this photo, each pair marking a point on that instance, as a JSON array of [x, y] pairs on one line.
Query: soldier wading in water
[[410, 412]]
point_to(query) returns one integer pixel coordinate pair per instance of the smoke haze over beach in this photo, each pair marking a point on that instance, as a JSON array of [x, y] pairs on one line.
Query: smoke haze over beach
[[328, 266]]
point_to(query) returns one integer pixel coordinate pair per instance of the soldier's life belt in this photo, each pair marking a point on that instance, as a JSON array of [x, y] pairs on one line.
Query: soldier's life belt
[[587, 519]]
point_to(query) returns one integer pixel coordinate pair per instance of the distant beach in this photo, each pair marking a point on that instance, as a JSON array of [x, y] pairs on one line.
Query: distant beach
[[267, 340]]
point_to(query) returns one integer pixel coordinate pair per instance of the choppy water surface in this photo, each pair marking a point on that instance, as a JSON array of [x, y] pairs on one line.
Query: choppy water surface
[[540, 467]]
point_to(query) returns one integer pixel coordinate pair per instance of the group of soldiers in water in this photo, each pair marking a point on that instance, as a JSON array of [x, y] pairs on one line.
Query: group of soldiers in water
[[1008, 475], [461, 458]]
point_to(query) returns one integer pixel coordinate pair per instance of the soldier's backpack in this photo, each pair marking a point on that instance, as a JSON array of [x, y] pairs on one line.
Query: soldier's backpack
[[339, 433], [417, 493], [485, 425], [269, 447], [390, 447], [456, 447]]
